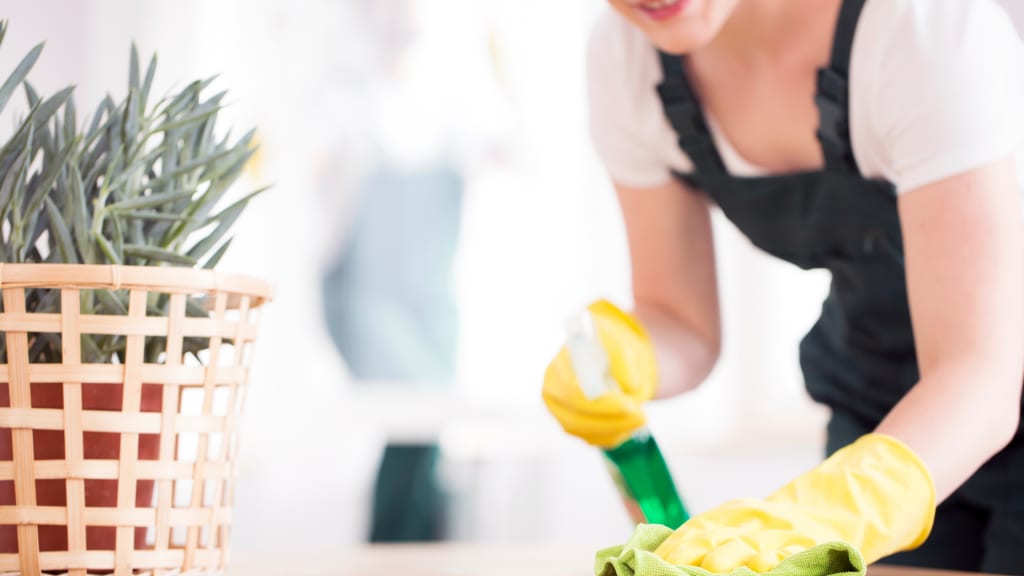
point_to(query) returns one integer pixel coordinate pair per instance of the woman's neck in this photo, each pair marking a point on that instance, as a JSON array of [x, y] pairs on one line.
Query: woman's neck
[[773, 33]]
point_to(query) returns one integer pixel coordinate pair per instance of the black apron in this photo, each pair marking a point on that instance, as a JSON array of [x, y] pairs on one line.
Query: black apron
[[859, 358]]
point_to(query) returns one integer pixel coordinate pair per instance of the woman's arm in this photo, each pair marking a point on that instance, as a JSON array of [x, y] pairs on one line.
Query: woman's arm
[[964, 253], [675, 342], [965, 277], [674, 283]]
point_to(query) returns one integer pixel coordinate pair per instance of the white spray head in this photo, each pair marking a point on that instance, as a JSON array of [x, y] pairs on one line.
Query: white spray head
[[589, 359]]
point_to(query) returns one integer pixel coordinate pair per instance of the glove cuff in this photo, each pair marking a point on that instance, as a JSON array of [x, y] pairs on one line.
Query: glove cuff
[[875, 493], [916, 474]]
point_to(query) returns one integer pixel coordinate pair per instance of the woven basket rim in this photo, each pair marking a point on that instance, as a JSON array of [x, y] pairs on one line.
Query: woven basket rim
[[153, 278]]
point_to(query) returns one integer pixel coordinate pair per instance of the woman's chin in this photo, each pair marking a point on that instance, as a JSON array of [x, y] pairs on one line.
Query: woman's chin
[[679, 40], [682, 26]]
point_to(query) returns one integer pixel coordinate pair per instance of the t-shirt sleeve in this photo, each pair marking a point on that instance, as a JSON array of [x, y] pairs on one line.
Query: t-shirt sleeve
[[618, 109], [948, 92]]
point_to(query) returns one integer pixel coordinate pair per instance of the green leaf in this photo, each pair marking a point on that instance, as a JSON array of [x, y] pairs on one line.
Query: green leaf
[[149, 215], [169, 159], [151, 157], [30, 94], [70, 121], [90, 352], [226, 220], [158, 254], [108, 251], [117, 234], [133, 69], [78, 210], [9, 182], [14, 147], [180, 101], [213, 260], [110, 301], [39, 223], [150, 201], [207, 243], [18, 191], [216, 191], [48, 300], [135, 232], [36, 120], [236, 206], [147, 84], [99, 165], [192, 166], [51, 105], [202, 136], [131, 118], [19, 74], [42, 133], [195, 307], [53, 168], [194, 117], [99, 126], [190, 94], [110, 179], [243, 150], [62, 236], [58, 135]]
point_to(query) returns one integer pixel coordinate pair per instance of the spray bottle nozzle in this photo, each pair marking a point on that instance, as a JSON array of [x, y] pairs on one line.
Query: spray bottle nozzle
[[588, 357]]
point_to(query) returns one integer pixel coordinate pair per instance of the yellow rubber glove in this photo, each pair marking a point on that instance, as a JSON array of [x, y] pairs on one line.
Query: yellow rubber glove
[[874, 494], [610, 419]]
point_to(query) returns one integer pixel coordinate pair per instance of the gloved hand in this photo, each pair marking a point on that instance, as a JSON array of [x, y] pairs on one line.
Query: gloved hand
[[610, 419], [874, 494]]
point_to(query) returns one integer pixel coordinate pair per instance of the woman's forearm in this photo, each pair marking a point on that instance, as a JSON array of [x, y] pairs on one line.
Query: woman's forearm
[[956, 418], [685, 357], [672, 259], [964, 247]]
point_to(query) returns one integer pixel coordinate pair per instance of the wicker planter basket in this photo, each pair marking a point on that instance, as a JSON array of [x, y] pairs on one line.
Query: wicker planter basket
[[124, 467]]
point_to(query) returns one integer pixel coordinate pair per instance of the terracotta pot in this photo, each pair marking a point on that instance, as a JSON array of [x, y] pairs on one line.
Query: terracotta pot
[[49, 445]]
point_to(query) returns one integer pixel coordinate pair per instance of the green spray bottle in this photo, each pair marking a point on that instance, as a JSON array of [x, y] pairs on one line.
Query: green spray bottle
[[636, 466]]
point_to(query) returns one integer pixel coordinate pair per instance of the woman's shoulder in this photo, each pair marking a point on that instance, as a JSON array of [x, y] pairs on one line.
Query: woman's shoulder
[[619, 52], [933, 28], [627, 125], [902, 47], [935, 88]]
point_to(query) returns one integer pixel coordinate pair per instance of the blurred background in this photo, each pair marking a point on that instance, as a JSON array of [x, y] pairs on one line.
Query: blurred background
[[437, 212]]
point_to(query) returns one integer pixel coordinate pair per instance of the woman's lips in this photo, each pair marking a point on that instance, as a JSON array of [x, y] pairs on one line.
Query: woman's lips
[[662, 10]]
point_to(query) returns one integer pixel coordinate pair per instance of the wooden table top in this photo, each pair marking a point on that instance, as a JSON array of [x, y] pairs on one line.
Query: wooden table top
[[457, 560]]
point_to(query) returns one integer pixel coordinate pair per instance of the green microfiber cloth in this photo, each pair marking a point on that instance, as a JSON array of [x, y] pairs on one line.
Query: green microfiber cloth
[[637, 558]]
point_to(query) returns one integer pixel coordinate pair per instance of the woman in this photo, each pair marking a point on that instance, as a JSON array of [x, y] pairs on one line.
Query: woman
[[878, 140]]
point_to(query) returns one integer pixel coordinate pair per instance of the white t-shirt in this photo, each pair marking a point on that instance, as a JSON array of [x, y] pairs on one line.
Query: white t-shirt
[[936, 89]]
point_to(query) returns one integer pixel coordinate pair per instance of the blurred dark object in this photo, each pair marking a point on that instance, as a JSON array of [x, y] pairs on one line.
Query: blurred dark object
[[408, 504]]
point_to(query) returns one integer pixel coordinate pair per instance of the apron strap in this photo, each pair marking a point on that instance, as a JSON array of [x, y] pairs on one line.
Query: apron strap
[[833, 94], [684, 113]]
